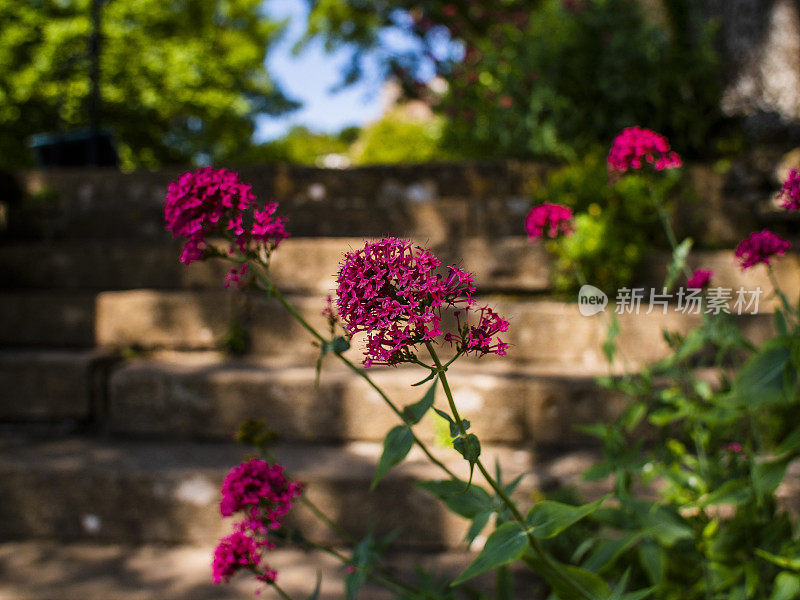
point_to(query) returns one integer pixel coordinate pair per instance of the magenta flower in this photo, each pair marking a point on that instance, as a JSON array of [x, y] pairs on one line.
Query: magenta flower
[[236, 278], [636, 146], [395, 292], [214, 202], [699, 279], [260, 490], [548, 220], [480, 338], [760, 247], [234, 552], [790, 193]]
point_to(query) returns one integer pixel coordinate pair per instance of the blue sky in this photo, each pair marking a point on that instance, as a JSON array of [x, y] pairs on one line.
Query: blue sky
[[309, 78]]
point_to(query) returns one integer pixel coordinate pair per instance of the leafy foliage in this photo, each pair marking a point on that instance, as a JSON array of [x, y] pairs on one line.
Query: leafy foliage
[[545, 78], [396, 138], [179, 80], [615, 224], [302, 146]]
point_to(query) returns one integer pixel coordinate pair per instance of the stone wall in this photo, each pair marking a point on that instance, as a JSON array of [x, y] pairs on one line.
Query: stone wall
[[429, 202]]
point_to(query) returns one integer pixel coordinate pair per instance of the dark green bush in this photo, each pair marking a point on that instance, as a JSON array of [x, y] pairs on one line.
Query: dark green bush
[[615, 225]]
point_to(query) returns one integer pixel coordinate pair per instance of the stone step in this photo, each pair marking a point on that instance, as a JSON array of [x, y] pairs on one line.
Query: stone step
[[52, 385], [47, 319], [302, 265], [309, 266], [143, 492], [541, 331], [199, 395], [93, 571], [433, 202]]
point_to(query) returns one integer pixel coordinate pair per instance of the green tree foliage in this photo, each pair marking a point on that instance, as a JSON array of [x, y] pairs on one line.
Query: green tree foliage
[[180, 79], [301, 146], [546, 77], [396, 138]]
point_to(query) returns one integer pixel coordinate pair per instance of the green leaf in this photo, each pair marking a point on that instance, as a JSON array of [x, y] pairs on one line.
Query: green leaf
[[445, 416], [633, 416], [733, 492], [767, 475], [506, 544], [504, 584], [479, 522], [785, 562], [619, 589], [466, 502], [639, 594], [653, 560], [664, 525], [549, 518], [363, 557], [610, 343], [413, 413], [396, 446], [780, 322], [760, 382], [511, 487], [608, 551], [340, 345], [580, 584], [430, 376], [786, 587], [678, 263]]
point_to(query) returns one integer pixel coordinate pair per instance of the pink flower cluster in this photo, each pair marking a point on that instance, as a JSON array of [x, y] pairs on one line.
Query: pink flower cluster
[[699, 279], [760, 247], [479, 339], [234, 552], [395, 292], [636, 146], [790, 193], [264, 495], [210, 202], [548, 220], [258, 487]]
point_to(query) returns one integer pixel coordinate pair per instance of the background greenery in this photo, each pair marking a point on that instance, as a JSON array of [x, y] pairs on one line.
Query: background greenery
[[180, 80], [183, 81]]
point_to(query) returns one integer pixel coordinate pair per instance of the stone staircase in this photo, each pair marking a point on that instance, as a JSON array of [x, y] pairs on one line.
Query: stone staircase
[[118, 400]]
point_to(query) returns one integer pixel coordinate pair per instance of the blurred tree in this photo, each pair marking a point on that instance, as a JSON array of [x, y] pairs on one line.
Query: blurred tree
[[400, 138], [543, 77], [301, 146], [179, 79]]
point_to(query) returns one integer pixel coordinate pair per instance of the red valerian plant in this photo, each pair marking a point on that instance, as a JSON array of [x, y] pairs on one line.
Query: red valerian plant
[[790, 192], [636, 147], [212, 202], [699, 279], [548, 220], [395, 292], [264, 495], [402, 297], [759, 248]]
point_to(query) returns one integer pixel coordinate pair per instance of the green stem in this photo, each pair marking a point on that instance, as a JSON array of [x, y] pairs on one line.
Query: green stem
[[666, 223], [576, 268], [280, 591], [384, 580], [510, 504], [275, 292], [777, 288], [327, 520]]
